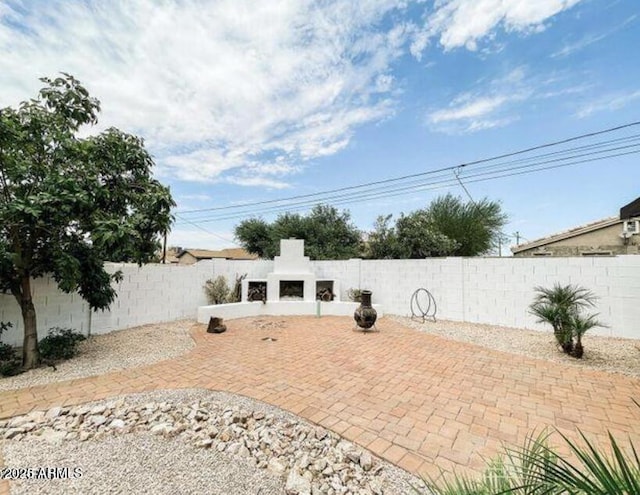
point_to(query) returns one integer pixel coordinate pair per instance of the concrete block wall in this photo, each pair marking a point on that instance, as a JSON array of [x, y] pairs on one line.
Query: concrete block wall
[[480, 290], [148, 294], [53, 309], [347, 272], [499, 290], [394, 281], [231, 269]]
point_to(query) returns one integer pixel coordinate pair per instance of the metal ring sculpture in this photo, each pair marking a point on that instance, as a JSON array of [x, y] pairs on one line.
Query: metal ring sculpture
[[418, 311]]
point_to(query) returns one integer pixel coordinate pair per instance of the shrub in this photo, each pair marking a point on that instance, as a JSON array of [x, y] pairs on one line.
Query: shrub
[[6, 352], [217, 290], [561, 307], [11, 367], [61, 343], [537, 469], [10, 362]]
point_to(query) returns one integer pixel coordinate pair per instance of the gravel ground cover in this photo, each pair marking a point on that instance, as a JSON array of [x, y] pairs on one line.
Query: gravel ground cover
[[115, 351], [191, 441], [601, 353]]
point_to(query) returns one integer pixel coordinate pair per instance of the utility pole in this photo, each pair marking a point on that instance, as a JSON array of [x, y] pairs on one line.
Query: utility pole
[[517, 234]]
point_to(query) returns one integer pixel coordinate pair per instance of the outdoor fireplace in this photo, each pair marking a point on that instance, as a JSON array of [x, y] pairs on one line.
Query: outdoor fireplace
[[292, 278], [291, 290]]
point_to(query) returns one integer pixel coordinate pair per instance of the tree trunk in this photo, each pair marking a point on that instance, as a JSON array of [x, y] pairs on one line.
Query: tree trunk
[[578, 350], [30, 352]]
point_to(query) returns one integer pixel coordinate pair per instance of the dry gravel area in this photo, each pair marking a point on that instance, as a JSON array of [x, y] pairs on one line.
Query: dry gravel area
[[601, 353], [115, 351], [144, 463]]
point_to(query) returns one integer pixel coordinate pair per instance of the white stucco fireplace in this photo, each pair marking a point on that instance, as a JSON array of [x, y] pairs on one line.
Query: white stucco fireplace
[[290, 289], [292, 278]]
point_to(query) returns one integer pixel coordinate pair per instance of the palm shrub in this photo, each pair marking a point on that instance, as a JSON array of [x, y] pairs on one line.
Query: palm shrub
[[580, 324], [537, 469], [510, 472], [561, 306]]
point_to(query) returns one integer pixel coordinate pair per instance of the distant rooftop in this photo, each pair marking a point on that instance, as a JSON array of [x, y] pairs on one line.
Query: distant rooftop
[[631, 210], [628, 211], [566, 234], [229, 253]]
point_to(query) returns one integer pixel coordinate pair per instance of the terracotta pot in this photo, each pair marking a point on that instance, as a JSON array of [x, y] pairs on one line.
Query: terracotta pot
[[365, 315]]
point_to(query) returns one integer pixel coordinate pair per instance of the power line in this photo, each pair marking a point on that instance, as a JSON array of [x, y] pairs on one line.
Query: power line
[[406, 186], [555, 143], [480, 175], [457, 174], [422, 174], [204, 230], [418, 184]]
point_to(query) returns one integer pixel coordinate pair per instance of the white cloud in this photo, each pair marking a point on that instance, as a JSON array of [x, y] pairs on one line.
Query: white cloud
[[258, 181], [500, 101], [473, 109], [246, 92], [608, 103], [463, 23], [222, 91], [590, 39], [194, 197], [484, 108]]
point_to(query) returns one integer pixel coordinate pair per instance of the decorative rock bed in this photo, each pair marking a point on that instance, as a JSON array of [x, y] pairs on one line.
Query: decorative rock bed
[[311, 459]]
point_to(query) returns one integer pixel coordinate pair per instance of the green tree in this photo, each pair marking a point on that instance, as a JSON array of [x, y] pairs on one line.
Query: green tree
[[328, 234], [255, 236], [447, 227], [382, 242], [67, 204], [475, 226], [420, 238]]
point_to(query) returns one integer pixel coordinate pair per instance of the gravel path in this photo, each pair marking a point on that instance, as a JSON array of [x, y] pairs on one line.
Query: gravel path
[[114, 351], [143, 463], [601, 353]]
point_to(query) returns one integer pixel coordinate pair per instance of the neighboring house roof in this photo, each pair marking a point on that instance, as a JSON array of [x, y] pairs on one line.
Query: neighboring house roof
[[230, 254], [200, 254], [567, 234], [238, 254], [631, 210], [171, 257]]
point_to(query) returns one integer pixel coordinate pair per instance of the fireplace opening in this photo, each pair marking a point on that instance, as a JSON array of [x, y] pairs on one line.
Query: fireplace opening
[[324, 290], [292, 290], [257, 291]]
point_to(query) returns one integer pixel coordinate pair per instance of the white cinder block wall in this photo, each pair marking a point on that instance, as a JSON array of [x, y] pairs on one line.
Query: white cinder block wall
[[499, 290], [147, 294], [480, 290]]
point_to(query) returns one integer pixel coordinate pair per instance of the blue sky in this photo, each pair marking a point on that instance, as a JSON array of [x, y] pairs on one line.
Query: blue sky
[[242, 101]]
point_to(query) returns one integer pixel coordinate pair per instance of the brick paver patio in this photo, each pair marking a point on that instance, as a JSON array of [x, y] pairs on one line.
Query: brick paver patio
[[416, 400]]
